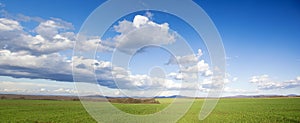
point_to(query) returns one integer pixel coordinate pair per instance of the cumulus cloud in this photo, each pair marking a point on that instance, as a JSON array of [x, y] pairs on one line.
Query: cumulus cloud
[[24, 65], [92, 43], [123, 79], [9, 25], [188, 59], [26, 55], [217, 82], [47, 88], [176, 76], [38, 54], [260, 79], [204, 84], [238, 91], [58, 68], [235, 79], [201, 67], [15, 39], [264, 82], [153, 83], [52, 36], [51, 28], [149, 14], [141, 32], [190, 64]]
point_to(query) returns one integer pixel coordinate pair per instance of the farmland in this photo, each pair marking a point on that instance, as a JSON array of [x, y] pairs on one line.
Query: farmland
[[227, 110]]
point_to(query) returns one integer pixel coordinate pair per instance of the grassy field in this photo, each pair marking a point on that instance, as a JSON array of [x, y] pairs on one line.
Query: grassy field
[[268, 110]]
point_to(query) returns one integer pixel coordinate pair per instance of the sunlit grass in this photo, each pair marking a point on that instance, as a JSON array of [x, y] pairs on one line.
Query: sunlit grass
[[227, 110]]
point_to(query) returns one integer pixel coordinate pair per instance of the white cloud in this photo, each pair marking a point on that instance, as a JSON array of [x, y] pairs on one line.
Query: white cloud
[[24, 65], [238, 91], [140, 20], [56, 67], [65, 91], [141, 32], [260, 79], [214, 82], [50, 28], [264, 82], [48, 40], [187, 59], [52, 36], [176, 76], [191, 64], [47, 88], [20, 17], [118, 77], [149, 14], [9, 25], [92, 43], [37, 54], [217, 82], [144, 82], [234, 79], [201, 67]]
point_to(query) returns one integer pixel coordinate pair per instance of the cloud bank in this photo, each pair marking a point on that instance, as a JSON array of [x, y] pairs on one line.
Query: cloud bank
[[264, 82], [41, 53]]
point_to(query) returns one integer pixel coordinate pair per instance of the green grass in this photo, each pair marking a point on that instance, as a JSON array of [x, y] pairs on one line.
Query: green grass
[[270, 110], [267, 110], [141, 109], [42, 111]]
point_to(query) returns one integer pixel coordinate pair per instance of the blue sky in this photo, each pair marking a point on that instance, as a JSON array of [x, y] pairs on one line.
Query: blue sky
[[261, 41]]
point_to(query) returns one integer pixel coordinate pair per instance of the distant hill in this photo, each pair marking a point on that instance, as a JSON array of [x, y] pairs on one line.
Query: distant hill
[[86, 98], [123, 99], [262, 96], [38, 97], [173, 96]]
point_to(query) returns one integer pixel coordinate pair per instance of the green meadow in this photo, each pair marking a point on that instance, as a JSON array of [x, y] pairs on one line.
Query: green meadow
[[252, 110]]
